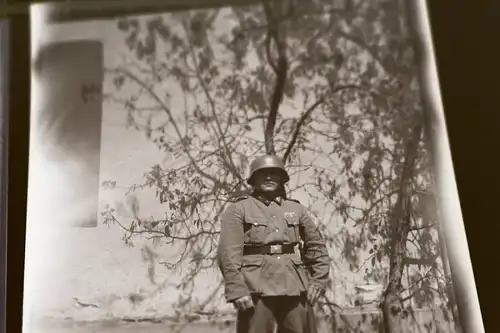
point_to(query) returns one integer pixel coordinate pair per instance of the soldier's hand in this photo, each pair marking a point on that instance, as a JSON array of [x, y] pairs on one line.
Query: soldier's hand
[[313, 294], [243, 303]]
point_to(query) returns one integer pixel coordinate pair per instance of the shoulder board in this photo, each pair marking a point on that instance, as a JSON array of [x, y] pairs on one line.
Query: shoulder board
[[243, 197], [294, 200]]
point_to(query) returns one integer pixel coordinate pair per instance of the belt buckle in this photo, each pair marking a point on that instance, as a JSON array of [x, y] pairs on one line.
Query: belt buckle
[[276, 249]]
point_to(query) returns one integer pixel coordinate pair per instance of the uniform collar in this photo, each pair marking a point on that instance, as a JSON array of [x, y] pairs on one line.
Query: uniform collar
[[279, 199]]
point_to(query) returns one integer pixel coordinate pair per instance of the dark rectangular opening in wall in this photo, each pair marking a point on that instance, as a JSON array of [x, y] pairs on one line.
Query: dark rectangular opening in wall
[[71, 75]]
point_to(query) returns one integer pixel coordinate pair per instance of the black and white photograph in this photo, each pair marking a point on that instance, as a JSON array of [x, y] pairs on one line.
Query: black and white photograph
[[273, 166]]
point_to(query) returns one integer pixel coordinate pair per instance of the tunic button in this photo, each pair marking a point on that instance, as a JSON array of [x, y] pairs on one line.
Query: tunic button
[[273, 216], [276, 230], [278, 258], [255, 223]]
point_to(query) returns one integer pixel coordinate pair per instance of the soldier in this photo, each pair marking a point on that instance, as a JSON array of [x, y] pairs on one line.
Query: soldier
[[269, 277]]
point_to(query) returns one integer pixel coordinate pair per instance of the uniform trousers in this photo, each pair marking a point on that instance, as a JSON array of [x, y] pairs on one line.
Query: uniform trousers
[[291, 314]]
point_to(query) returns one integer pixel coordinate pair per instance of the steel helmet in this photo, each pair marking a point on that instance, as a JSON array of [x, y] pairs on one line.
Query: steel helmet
[[267, 162]]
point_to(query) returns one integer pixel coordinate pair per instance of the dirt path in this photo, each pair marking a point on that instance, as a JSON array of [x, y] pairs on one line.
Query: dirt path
[[134, 327]]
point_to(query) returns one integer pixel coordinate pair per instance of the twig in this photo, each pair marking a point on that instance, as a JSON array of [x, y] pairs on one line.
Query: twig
[[308, 112], [296, 132], [167, 110], [422, 227], [211, 101], [369, 258]]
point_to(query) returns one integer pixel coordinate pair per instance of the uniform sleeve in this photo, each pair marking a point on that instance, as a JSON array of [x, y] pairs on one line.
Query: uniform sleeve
[[315, 253], [230, 251]]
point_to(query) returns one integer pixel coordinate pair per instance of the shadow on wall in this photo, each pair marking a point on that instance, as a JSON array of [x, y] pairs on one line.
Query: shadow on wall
[[418, 321], [68, 120]]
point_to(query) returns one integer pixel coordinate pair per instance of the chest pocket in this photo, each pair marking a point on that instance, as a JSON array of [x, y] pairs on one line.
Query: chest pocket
[[255, 229], [293, 225]]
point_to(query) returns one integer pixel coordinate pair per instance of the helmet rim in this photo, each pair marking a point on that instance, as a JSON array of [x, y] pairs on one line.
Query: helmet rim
[[267, 162]]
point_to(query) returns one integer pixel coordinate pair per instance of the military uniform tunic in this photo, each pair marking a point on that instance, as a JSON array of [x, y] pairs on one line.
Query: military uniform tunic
[[255, 221]]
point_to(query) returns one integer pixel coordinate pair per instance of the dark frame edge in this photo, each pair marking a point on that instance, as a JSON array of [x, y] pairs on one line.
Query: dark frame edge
[[4, 135], [112, 9], [450, 30], [17, 158], [469, 319]]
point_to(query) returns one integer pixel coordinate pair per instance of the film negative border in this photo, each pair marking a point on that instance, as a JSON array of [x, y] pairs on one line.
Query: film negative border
[[20, 8]]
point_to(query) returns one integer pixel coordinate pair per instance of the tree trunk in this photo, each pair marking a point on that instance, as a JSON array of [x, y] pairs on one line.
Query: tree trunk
[[400, 227], [279, 64]]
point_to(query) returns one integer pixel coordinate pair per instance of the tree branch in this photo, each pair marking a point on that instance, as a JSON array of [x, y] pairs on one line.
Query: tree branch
[[167, 110], [296, 132], [374, 53], [308, 112], [421, 261], [369, 258], [422, 227], [221, 137], [399, 223], [132, 231], [407, 298]]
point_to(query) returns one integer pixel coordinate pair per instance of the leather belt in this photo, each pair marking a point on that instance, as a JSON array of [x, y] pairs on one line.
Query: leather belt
[[268, 249]]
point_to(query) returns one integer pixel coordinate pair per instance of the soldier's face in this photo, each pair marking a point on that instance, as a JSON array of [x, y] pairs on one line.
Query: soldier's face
[[268, 180]]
